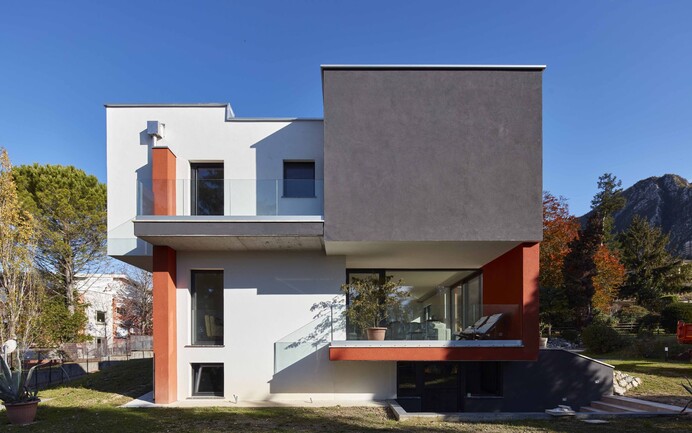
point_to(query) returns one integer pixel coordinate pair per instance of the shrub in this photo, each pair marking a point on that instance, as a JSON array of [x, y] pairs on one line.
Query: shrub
[[669, 299], [601, 338], [631, 314], [674, 312], [570, 335], [650, 322]]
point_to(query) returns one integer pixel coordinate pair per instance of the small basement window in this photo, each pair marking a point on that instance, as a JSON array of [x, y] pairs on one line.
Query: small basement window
[[207, 380]]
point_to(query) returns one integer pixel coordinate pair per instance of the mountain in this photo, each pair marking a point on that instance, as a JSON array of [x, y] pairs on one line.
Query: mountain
[[665, 201]]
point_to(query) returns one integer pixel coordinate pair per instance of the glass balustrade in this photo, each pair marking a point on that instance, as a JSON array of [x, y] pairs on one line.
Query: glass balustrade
[[234, 197]]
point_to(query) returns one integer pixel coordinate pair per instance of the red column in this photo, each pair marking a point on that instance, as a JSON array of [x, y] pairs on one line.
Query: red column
[[165, 345], [164, 279]]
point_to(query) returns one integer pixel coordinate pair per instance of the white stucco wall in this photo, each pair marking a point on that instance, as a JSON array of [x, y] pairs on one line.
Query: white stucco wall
[[267, 298], [252, 153]]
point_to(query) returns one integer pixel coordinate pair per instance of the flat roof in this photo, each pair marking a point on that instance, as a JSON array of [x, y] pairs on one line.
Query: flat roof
[[230, 116], [448, 67], [154, 104]]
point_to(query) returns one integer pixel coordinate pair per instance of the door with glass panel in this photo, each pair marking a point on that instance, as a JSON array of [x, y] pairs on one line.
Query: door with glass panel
[[206, 189], [467, 303]]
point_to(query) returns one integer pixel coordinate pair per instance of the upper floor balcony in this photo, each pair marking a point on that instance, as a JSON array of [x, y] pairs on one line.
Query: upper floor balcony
[[233, 197], [231, 214]]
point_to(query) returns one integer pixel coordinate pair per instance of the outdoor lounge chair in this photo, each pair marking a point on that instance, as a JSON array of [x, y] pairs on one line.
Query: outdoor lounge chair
[[482, 331], [470, 331]]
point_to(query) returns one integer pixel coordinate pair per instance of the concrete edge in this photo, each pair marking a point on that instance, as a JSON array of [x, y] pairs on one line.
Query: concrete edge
[[663, 407], [401, 415]]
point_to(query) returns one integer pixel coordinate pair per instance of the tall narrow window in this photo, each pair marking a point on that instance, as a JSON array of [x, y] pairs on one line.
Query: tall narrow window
[[299, 178], [206, 189], [207, 307]]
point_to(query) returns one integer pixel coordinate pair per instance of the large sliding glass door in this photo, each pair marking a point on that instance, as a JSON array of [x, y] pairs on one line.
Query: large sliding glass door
[[467, 302], [442, 302]]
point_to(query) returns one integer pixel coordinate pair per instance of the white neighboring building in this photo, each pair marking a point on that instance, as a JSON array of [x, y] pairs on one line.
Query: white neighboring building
[[100, 293]]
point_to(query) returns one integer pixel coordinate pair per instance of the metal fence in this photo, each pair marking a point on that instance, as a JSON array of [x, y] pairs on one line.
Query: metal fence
[[59, 364]]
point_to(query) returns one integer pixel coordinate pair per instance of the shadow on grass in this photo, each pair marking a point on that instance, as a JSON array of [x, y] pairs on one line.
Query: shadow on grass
[[129, 379], [347, 420]]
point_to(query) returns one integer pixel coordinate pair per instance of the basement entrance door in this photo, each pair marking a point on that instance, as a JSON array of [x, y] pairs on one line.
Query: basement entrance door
[[430, 386]]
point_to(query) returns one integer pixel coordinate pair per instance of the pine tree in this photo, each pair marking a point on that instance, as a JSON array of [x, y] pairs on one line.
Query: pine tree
[[580, 268], [70, 209], [651, 269], [605, 204]]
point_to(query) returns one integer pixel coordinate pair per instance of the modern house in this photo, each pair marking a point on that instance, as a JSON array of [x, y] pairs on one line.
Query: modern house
[[429, 174]]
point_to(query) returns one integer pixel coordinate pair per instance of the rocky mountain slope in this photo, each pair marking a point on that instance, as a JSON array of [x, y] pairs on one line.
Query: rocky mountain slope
[[665, 201]]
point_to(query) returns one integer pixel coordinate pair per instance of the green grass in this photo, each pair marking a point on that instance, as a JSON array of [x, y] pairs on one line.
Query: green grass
[[661, 381], [90, 404]]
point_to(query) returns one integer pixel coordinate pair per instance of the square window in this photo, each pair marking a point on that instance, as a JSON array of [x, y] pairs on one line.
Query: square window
[[101, 317], [299, 179], [207, 380]]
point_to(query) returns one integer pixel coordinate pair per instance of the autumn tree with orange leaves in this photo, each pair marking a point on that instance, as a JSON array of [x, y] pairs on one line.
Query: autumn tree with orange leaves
[[609, 277], [559, 229]]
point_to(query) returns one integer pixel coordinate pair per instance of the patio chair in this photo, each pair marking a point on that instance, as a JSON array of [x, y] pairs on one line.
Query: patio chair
[[483, 331], [470, 331]]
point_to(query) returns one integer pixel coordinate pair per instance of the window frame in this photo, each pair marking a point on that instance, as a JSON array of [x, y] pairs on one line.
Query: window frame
[[286, 179], [193, 310], [197, 368], [194, 166]]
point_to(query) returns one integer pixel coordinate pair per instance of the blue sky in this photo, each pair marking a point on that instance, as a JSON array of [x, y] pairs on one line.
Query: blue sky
[[617, 90]]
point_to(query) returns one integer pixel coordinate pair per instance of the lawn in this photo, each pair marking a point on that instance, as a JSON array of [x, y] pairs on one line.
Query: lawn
[[90, 404], [660, 380]]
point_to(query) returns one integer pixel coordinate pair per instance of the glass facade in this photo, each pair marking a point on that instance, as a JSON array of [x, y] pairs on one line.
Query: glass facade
[[441, 303]]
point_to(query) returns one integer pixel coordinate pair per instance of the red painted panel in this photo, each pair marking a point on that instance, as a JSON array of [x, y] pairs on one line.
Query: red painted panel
[[163, 181], [165, 351], [427, 354]]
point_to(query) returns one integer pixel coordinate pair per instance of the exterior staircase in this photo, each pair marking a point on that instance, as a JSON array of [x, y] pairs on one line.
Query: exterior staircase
[[615, 404]]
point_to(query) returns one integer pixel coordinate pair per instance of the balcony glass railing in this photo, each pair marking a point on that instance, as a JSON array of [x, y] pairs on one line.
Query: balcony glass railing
[[491, 322], [234, 197]]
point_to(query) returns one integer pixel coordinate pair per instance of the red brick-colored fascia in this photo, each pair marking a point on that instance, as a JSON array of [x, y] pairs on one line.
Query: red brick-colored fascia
[[427, 354]]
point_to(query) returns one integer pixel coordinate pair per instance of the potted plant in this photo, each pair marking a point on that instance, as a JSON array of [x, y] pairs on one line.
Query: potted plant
[[21, 402], [544, 332], [371, 301]]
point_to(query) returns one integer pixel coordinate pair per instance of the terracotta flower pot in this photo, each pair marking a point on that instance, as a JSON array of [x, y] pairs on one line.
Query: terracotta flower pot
[[376, 334], [22, 413]]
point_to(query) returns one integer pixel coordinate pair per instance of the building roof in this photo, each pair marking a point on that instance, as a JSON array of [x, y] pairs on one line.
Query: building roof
[[442, 67]]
